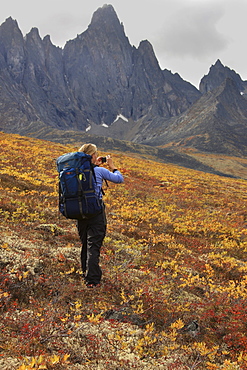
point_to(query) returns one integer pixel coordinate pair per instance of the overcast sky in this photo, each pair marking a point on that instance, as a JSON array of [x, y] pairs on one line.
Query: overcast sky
[[188, 36]]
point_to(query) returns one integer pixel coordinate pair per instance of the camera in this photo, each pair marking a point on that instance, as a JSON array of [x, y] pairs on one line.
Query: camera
[[103, 159]]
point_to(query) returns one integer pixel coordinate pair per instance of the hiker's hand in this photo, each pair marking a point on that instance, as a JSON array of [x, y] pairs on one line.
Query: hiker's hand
[[110, 162]]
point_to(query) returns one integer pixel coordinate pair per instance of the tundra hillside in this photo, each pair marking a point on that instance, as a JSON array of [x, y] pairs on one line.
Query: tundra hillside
[[175, 253]]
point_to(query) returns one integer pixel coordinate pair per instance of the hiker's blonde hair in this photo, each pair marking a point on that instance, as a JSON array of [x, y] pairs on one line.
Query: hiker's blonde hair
[[88, 149]]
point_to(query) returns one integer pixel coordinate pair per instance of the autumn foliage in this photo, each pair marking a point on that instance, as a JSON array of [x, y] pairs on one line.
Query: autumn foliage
[[175, 251]]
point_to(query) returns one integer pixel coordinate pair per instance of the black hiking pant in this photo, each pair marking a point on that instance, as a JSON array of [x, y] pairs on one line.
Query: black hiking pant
[[92, 232]]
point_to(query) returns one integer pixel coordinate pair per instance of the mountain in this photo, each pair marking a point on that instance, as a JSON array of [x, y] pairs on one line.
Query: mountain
[[217, 74], [99, 84], [94, 79], [217, 122]]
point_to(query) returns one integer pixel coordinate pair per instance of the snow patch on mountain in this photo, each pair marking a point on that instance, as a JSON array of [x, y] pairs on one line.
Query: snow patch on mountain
[[122, 117]]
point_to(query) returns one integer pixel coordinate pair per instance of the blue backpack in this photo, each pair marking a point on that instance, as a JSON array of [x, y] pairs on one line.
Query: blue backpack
[[77, 196]]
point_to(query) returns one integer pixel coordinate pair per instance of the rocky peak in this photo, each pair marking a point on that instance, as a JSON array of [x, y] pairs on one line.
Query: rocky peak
[[105, 28], [217, 74], [12, 48], [33, 36], [145, 49], [98, 64], [10, 36], [218, 64], [146, 62], [9, 27], [104, 15], [47, 41]]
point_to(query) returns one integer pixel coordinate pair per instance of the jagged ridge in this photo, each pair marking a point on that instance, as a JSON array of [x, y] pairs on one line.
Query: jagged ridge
[[101, 83], [97, 76]]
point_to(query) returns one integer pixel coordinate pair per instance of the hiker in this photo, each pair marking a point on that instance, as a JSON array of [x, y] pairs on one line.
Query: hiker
[[92, 230]]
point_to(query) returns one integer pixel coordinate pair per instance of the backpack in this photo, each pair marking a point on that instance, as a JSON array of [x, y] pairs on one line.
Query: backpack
[[77, 182]]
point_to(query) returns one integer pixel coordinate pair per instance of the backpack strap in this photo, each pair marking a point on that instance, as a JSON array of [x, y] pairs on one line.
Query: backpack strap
[[80, 193], [93, 167]]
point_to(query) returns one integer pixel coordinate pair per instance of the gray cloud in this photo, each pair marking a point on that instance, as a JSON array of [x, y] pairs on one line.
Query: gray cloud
[[192, 32]]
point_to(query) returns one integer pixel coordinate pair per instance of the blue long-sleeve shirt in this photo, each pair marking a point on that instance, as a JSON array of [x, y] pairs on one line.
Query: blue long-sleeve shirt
[[102, 173]]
